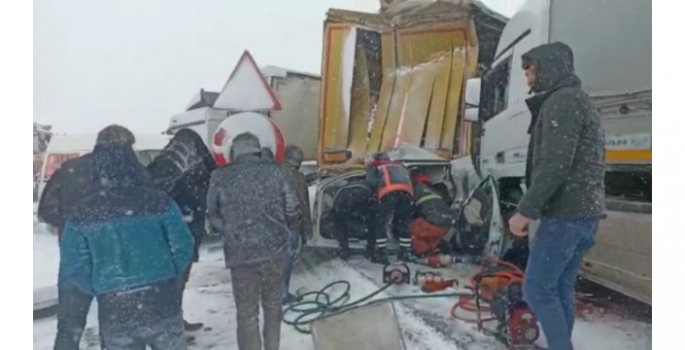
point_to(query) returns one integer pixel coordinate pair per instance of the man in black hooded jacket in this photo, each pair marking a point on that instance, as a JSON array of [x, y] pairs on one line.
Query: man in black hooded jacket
[[565, 178], [182, 170]]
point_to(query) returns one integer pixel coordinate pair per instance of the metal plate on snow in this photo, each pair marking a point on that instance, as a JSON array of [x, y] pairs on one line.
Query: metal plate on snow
[[370, 327]]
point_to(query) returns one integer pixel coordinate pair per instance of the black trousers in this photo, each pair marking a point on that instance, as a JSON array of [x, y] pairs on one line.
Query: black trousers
[[395, 211], [348, 222], [147, 315], [72, 312]]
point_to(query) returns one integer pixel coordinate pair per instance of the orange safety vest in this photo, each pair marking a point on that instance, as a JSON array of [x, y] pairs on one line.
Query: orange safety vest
[[394, 178]]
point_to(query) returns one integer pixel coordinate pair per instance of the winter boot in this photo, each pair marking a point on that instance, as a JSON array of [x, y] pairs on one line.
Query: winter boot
[[380, 256], [344, 253], [404, 255], [192, 327], [289, 299]]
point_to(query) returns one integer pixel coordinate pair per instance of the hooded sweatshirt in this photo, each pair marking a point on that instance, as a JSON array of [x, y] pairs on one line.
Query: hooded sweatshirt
[[182, 170], [565, 166], [126, 234]]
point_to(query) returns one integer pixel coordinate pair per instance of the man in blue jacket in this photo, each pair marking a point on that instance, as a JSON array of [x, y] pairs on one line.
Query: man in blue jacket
[[67, 186], [127, 244]]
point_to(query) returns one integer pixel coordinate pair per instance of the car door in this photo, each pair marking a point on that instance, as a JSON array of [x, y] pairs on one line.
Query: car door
[[479, 227], [321, 194]]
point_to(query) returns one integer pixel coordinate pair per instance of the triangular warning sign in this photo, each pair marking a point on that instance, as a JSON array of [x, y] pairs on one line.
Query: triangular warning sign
[[246, 89]]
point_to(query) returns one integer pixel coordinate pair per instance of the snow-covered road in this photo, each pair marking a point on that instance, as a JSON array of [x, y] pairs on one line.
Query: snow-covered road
[[425, 324]]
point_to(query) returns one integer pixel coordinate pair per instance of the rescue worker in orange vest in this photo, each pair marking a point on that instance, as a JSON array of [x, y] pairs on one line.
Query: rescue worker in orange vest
[[395, 193], [432, 219]]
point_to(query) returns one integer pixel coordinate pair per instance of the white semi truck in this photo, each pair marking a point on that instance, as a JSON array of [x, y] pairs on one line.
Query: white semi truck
[[299, 97], [612, 41]]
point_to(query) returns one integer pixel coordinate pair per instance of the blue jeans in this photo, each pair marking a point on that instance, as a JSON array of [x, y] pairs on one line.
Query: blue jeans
[[555, 256], [294, 244]]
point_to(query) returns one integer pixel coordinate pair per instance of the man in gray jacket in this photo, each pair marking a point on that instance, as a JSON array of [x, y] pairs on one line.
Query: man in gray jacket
[[565, 178], [253, 203], [293, 161]]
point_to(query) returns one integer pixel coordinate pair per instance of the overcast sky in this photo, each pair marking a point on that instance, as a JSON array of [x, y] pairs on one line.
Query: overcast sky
[[137, 63]]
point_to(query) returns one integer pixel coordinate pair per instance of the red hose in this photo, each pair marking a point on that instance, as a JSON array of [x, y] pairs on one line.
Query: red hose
[[496, 280], [486, 290]]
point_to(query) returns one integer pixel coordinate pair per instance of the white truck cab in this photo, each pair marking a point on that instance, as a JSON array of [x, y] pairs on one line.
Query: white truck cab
[[611, 40]]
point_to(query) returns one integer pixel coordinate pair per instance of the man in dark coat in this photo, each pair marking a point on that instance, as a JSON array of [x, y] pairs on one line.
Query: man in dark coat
[[565, 187], [182, 170], [71, 183], [253, 203], [354, 208], [293, 161], [127, 244]]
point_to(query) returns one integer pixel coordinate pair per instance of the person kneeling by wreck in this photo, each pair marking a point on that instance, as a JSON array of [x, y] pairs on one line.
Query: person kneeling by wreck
[[432, 218]]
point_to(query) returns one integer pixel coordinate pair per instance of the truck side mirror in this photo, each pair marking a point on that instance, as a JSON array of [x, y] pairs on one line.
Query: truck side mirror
[[471, 114], [472, 95], [472, 99]]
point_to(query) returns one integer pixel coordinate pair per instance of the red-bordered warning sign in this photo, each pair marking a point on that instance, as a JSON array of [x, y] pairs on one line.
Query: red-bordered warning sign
[[246, 89]]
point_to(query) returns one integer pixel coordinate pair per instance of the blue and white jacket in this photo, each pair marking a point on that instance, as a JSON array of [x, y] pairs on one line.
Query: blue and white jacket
[[126, 234]]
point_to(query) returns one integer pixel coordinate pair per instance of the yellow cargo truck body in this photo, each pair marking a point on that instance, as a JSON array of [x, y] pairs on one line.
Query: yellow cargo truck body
[[391, 79]]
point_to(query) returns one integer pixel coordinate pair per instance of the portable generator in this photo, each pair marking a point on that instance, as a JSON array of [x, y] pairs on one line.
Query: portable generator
[[517, 325]]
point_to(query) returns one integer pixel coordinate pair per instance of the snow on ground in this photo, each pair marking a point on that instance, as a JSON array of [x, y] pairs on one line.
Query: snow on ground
[[595, 331], [209, 299], [425, 324]]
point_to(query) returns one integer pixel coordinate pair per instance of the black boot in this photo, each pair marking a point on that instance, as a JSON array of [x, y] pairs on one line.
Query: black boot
[[289, 299], [344, 253], [404, 255], [380, 256], [376, 256]]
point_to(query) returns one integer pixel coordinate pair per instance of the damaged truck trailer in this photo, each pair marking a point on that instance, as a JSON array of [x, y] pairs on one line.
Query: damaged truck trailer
[[394, 81], [397, 77]]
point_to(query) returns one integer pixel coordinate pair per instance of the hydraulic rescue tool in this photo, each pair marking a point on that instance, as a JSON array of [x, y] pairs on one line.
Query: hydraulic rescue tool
[[431, 282], [443, 260], [396, 274]]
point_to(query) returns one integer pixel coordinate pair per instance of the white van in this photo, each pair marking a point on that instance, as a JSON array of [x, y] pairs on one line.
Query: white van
[[64, 147]]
